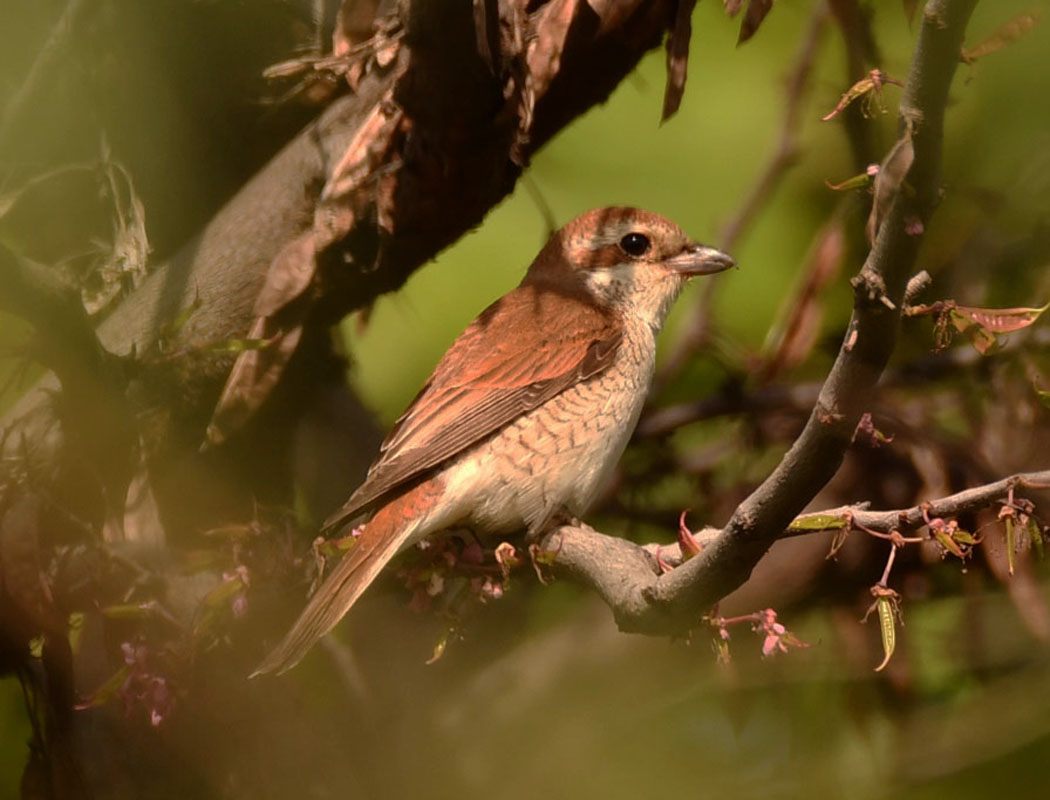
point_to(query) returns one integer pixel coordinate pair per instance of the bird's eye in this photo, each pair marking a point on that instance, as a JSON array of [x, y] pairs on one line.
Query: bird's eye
[[635, 244]]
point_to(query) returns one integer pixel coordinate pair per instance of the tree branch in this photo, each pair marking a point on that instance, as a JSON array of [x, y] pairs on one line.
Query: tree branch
[[65, 336], [673, 602], [377, 185], [98, 412], [953, 505], [627, 575]]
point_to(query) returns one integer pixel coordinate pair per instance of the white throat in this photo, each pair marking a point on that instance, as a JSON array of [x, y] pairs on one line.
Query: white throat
[[642, 295]]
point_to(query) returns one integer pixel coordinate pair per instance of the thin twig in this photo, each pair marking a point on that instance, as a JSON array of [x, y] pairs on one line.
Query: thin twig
[[619, 570], [784, 155], [542, 206], [53, 50], [884, 580], [733, 399], [862, 55]]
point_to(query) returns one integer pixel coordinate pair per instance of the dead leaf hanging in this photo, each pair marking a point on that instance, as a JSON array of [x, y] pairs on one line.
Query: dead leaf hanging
[[256, 371], [1006, 34], [754, 16], [678, 58], [888, 182]]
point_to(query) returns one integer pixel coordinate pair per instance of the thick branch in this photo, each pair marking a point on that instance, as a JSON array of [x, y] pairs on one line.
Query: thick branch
[[346, 211], [65, 341], [65, 338], [673, 602]]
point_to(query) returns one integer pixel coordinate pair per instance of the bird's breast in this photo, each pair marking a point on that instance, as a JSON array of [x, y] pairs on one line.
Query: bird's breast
[[557, 456]]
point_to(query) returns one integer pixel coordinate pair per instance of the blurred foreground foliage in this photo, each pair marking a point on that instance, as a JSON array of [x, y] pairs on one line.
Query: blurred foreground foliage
[[537, 692]]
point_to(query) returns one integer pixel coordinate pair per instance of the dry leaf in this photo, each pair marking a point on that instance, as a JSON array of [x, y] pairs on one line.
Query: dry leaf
[[290, 274], [868, 86], [910, 7], [140, 518], [543, 61], [981, 325], [256, 371], [366, 151], [1005, 34], [548, 39], [486, 31], [354, 24], [678, 58], [892, 172], [22, 574], [123, 261], [545, 50], [282, 305], [796, 337], [753, 18], [254, 375], [1001, 320], [9, 199]]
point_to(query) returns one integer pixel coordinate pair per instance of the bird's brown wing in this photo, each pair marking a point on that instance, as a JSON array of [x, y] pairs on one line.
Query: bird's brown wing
[[527, 347]]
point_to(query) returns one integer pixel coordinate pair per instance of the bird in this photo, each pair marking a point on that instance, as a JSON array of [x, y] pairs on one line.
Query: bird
[[527, 413]]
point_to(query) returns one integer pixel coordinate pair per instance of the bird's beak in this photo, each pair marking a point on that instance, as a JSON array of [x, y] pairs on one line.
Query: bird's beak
[[698, 259]]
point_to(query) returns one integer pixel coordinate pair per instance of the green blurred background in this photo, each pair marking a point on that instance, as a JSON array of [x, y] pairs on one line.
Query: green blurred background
[[565, 705]]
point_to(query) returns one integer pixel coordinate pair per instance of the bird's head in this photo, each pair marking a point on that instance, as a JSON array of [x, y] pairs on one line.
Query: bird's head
[[624, 260]]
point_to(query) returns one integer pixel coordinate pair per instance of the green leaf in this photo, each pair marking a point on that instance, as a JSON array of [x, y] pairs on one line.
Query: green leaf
[[222, 594], [178, 322], [216, 603], [820, 522], [888, 629], [200, 560], [1011, 542], [335, 548], [441, 646], [104, 693], [983, 341], [129, 611], [856, 182], [239, 345], [1035, 536], [76, 628], [945, 540]]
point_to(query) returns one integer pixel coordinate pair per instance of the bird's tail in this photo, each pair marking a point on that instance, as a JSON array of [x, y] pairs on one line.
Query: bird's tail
[[379, 541]]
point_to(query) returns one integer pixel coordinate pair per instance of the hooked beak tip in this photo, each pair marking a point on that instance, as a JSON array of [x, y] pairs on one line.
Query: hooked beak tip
[[699, 259]]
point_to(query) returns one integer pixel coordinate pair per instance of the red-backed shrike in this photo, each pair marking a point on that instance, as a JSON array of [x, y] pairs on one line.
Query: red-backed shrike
[[530, 409]]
